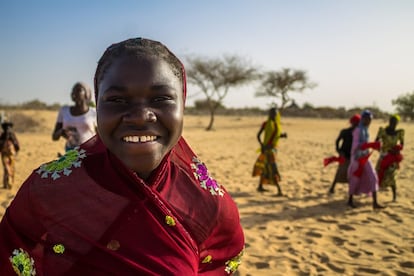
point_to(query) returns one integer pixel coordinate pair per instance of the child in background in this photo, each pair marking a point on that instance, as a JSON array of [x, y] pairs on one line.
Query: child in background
[[9, 146]]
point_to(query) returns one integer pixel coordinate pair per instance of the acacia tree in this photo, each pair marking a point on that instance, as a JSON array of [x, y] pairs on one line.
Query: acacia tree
[[278, 84], [215, 76], [405, 105]]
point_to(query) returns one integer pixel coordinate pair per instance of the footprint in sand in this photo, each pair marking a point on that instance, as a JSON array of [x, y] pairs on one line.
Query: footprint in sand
[[335, 268], [353, 254], [374, 220], [394, 251], [369, 241], [394, 217], [369, 270], [387, 243], [314, 234], [346, 227], [407, 264], [389, 258], [369, 253], [327, 220], [338, 241], [261, 265]]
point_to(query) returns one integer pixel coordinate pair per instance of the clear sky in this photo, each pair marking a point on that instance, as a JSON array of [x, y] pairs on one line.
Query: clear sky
[[359, 52]]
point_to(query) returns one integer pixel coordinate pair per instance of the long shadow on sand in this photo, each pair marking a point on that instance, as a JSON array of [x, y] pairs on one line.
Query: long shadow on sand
[[290, 212]]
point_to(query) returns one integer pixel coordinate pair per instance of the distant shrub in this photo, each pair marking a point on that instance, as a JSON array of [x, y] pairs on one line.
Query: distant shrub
[[24, 123]]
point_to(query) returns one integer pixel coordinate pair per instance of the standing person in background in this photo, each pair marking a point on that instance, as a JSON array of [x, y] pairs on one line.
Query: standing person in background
[[133, 200], [361, 174], [266, 165], [343, 146], [76, 123], [392, 142], [9, 146]]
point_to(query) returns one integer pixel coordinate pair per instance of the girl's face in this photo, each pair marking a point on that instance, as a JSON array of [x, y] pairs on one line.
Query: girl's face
[[140, 111], [366, 120], [79, 95], [393, 122]]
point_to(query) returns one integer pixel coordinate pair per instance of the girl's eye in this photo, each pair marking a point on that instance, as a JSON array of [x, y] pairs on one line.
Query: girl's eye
[[116, 100], [163, 98]]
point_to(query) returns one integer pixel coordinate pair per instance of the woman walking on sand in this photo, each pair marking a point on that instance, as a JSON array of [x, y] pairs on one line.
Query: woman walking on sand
[[266, 165], [392, 142], [343, 146], [76, 123], [361, 174]]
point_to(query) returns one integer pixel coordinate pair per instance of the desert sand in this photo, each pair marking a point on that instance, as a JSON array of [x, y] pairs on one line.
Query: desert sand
[[305, 232]]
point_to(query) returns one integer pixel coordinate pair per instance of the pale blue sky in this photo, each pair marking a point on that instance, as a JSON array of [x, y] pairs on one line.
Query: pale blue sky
[[359, 52]]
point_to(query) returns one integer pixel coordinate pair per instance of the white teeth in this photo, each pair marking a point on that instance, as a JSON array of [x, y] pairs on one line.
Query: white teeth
[[139, 139]]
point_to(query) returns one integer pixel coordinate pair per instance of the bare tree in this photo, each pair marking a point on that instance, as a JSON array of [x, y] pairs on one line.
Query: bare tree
[[278, 84], [214, 77]]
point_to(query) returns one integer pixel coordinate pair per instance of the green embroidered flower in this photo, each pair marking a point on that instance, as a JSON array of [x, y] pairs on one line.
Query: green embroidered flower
[[233, 264], [22, 263], [71, 159], [170, 220], [59, 248]]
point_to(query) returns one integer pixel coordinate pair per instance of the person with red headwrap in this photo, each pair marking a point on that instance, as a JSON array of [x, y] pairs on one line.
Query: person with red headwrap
[[343, 147], [134, 199], [392, 142], [361, 174]]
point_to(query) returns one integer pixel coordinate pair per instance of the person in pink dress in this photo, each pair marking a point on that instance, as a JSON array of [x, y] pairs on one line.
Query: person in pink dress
[[362, 176]]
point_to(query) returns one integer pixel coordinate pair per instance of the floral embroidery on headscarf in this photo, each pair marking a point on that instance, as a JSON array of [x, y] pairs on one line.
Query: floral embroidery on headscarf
[[22, 263], [169, 220], [206, 182], [207, 259], [233, 264], [59, 248], [63, 165]]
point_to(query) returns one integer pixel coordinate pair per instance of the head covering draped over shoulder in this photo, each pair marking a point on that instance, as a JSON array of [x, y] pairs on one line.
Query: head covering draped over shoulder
[[396, 117], [355, 119], [367, 113], [364, 135]]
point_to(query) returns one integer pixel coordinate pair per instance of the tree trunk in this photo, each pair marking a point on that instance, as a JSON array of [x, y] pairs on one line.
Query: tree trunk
[[210, 125]]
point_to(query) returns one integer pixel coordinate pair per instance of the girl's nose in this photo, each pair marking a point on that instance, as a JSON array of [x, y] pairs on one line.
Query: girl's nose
[[140, 115]]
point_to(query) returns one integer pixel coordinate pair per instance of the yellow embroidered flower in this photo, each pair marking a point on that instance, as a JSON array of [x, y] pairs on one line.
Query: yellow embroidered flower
[[170, 220], [59, 248], [22, 263], [207, 259], [233, 264]]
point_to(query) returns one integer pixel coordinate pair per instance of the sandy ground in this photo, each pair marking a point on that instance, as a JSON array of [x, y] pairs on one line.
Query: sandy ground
[[306, 232]]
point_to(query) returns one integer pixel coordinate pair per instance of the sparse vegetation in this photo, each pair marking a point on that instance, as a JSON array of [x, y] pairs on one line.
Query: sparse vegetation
[[405, 106]]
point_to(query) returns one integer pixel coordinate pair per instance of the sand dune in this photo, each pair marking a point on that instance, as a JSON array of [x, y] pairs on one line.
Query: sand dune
[[306, 232]]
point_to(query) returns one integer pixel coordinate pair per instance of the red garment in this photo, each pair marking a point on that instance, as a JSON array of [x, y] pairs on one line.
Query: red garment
[[361, 163], [371, 145], [88, 214], [331, 159], [388, 160]]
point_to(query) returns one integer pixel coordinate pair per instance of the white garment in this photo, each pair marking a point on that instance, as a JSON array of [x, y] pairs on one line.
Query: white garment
[[78, 128]]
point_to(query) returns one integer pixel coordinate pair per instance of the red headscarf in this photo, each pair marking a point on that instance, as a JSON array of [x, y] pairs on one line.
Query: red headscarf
[[354, 120]]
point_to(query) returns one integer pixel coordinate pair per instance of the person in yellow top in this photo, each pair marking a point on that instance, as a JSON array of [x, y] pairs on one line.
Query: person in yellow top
[[266, 165], [392, 142]]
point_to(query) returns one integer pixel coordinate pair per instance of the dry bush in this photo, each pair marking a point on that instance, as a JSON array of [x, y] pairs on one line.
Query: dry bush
[[24, 123]]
